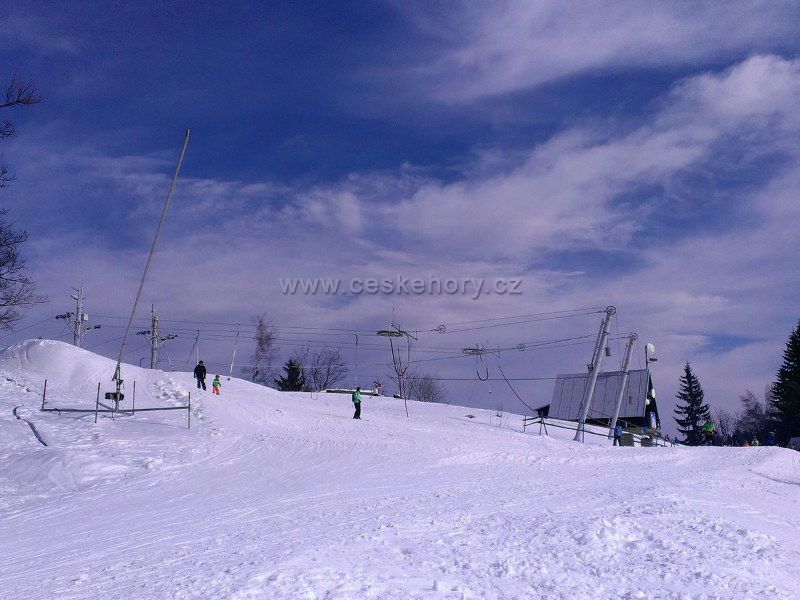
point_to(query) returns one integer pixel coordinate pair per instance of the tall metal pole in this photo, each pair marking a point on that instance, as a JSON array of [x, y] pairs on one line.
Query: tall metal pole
[[598, 353], [117, 373], [77, 331], [623, 383], [355, 370], [153, 338], [233, 357]]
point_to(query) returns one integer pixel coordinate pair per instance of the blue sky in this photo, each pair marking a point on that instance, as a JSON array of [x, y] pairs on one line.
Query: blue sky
[[637, 155]]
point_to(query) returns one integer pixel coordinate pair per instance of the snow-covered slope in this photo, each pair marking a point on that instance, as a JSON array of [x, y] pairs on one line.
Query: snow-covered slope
[[274, 496]]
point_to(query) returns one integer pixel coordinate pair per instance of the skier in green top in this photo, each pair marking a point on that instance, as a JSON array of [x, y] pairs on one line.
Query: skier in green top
[[357, 403], [216, 385], [709, 429]]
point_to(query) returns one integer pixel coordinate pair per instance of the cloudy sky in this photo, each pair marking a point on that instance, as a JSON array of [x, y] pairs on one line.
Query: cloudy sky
[[642, 156]]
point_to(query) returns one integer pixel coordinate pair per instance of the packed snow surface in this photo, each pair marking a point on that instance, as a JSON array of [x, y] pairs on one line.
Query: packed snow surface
[[277, 495]]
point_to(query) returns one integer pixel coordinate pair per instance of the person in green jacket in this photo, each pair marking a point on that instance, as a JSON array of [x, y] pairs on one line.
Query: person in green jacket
[[216, 385], [357, 403], [709, 429]]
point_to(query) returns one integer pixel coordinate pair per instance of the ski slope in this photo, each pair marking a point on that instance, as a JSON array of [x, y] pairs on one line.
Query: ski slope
[[277, 495]]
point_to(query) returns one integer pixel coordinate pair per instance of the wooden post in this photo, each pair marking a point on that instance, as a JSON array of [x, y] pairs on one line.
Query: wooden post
[[133, 405], [44, 393], [189, 413], [97, 404]]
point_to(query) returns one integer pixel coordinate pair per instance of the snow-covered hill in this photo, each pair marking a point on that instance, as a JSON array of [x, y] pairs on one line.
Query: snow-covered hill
[[274, 496]]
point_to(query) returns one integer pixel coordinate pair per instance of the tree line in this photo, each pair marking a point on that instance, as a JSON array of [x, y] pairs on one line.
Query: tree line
[[774, 419], [313, 371]]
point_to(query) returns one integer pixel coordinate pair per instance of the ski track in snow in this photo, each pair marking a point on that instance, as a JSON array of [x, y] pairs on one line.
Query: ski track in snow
[[273, 496]]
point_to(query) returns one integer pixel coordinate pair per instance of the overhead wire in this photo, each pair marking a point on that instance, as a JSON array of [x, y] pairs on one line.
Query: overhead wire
[[588, 310], [15, 332]]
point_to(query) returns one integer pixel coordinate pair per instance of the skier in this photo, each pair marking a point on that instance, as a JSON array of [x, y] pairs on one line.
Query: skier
[[200, 375], [617, 435], [709, 429], [216, 385], [771, 438], [755, 442], [357, 403]]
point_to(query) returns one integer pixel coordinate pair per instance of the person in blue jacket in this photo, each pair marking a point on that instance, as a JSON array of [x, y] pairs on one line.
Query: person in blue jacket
[[617, 435], [357, 403]]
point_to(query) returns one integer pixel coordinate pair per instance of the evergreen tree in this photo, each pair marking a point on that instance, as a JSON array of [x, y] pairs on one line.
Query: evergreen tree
[[785, 396], [294, 380], [692, 414]]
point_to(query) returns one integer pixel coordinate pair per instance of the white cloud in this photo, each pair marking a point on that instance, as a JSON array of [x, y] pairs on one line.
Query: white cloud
[[22, 30], [228, 242], [501, 47]]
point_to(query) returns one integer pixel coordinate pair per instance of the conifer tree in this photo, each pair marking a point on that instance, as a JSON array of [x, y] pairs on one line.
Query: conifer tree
[[294, 380], [692, 414], [785, 396]]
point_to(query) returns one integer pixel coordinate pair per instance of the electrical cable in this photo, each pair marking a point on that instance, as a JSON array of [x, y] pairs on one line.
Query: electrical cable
[[15, 332]]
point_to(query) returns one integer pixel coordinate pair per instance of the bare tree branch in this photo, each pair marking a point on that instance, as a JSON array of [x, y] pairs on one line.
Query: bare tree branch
[[16, 289], [20, 93]]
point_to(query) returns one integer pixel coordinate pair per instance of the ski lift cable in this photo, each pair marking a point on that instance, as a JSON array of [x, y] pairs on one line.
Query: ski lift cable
[[523, 322], [462, 355], [500, 368], [117, 375], [589, 310], [551, 314], [194, 322]]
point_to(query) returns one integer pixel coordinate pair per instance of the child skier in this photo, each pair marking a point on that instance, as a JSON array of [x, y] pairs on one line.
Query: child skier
[[216, 385]]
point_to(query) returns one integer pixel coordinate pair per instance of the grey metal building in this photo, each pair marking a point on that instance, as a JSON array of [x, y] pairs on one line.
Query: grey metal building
[[636, 409]]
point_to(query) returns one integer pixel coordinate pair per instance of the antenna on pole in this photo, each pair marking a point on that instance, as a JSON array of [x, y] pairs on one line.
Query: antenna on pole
[[77, 320], [117, 378], [155, 337]]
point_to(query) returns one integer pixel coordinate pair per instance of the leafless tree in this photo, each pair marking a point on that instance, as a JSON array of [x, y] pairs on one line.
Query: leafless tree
[[726, 421], [16, 289], [17, 93], [754, 420], [400, 363], [325, 369], [425, 387], [265, 354]]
